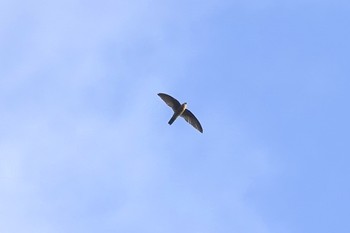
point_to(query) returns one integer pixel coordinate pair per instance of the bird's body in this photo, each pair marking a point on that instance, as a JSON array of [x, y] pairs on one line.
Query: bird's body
[[177, 113], [180, 110]]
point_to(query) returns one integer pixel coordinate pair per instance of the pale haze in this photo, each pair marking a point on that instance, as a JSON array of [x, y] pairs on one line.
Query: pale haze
[[84, 141]]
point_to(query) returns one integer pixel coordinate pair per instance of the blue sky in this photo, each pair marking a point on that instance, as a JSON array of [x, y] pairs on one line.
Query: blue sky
[[84, 140]]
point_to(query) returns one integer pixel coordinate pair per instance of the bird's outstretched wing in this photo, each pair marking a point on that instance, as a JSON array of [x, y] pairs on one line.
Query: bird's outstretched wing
[[170, 101], [190, 118]]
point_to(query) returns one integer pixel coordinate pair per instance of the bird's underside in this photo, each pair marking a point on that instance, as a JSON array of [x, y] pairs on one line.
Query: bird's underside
[[180, 110]]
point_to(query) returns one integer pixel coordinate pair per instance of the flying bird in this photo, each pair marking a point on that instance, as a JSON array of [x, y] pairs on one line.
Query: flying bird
[[180, 110]]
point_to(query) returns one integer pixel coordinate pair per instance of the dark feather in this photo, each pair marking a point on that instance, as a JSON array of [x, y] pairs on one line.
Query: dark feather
[[170, 101], [190, 118]]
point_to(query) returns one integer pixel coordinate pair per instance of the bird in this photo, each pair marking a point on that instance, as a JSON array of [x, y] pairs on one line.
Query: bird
[[180, 110]]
